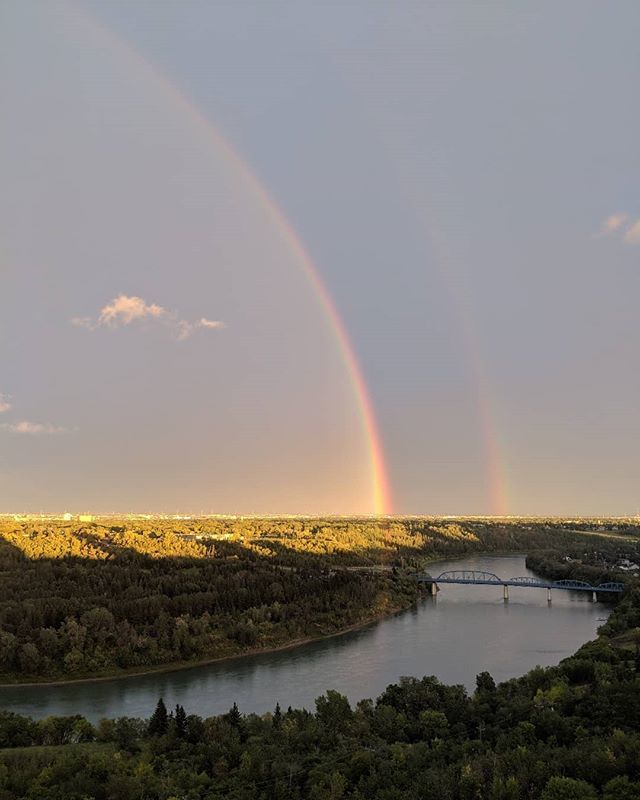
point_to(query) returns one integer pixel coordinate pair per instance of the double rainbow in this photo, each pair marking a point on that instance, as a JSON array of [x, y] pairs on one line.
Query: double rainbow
[[381, 501]]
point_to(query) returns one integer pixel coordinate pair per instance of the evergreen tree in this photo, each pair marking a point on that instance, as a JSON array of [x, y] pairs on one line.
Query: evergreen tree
[[159, 721], [234, 717], [277, 717]]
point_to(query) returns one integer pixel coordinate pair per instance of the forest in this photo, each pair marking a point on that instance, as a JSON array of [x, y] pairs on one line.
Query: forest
[[116, 596], [570, 732]]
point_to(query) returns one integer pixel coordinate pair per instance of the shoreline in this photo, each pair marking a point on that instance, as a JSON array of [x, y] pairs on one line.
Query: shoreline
[[180, 666]]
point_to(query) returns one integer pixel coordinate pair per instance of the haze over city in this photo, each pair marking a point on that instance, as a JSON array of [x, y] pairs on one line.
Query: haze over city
[[319, 258]]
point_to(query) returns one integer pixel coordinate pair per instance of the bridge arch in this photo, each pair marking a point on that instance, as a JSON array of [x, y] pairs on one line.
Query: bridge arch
[[611, 586], [571, 584], [468, 576]]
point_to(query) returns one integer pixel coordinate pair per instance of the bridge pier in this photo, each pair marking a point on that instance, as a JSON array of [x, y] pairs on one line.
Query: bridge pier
[[594, 597], [505, 592], [549, 596], [434, 588]]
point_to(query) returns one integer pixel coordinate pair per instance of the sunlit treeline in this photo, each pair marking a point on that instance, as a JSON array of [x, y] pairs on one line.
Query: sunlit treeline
[[102, 597]]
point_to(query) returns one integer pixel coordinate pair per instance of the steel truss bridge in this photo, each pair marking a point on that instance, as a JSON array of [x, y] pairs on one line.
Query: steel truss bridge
[[478, 578]]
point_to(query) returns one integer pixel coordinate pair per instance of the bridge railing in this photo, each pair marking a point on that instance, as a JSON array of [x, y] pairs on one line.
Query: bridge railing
[[482, 577]]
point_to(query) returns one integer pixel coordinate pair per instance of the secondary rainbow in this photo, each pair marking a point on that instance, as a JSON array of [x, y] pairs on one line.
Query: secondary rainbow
[[380, 490], [494, 461]]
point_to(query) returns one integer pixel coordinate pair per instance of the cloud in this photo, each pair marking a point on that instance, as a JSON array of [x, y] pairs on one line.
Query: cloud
[[24, 426], [621, 225], [32, 428], [613, 223], [185, 329], [632, 234], [125, 309], [203, 322], [83, 322]]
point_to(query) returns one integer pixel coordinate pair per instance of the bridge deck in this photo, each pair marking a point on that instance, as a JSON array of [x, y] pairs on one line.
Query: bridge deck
[[489, 579]]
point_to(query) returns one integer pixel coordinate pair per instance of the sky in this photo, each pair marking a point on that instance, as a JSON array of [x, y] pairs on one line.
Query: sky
[[301, 257]]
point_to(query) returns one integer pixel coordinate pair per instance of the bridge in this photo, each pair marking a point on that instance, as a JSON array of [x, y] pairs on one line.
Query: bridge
[[480, 578]]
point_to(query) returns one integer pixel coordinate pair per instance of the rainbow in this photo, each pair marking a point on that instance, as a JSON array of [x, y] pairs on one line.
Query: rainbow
[[494, 461], [380, 489]]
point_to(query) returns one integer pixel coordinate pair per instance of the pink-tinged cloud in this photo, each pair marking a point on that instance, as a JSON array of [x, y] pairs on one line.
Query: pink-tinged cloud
[[613, 223], [32, 428], [5, 405], [123, 310], [632, 234], [210, 323], [185, 329]]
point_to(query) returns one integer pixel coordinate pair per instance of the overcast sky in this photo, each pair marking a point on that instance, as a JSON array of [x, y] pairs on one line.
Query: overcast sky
[[466, 178]]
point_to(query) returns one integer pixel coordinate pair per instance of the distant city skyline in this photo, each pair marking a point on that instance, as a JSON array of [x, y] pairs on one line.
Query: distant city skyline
[[319, 259]]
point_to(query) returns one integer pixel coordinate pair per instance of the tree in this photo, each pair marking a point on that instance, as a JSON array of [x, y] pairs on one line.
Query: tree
[[233, 716], [621, 788], [433, 725], [333, 711], [29, 657], [159, 721], [126, 734], [180, 722], [485, 682], [194, 729], [329, 787], [568, 789]]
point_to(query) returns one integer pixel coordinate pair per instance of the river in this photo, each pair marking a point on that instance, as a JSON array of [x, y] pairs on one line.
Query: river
[[466, 630]]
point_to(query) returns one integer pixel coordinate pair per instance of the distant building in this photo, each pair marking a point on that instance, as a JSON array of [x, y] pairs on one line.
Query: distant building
[[86, 518], [67, 517]]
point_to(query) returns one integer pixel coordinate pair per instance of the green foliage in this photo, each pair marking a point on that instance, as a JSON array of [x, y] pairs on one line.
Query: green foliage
[[570, 732], [128, 595], [568, 789], [159, 722], [621, 788], [106, 598]]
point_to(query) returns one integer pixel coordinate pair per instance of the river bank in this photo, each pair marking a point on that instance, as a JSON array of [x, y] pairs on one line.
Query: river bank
[[572, 726], [177, 666], [180, 666], [464, 631]]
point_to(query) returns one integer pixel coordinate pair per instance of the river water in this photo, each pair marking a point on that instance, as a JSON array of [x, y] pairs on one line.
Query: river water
[[466, 630]]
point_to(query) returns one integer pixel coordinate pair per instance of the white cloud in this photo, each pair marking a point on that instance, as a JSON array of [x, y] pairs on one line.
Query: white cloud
[[5, 405], [125, 309], [32, 428], [632, 234], [613, 223], [203, 322]]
